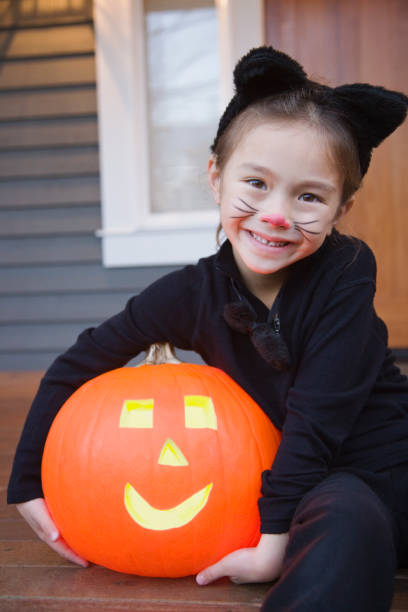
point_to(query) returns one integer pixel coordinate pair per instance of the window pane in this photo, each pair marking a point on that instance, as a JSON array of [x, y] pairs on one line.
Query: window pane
[[183, 100]]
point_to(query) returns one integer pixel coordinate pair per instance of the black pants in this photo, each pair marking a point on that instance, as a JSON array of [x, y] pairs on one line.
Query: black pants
[[347, 538]]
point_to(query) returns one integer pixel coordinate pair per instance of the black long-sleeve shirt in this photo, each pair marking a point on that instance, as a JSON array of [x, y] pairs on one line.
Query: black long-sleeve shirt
[[341, 404]]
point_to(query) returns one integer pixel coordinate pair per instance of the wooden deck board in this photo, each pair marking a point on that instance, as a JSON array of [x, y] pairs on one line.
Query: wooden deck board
[[33, 577], [97, 583]]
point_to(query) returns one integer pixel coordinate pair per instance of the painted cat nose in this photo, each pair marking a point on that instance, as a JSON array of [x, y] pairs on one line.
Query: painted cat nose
[[276, 220]]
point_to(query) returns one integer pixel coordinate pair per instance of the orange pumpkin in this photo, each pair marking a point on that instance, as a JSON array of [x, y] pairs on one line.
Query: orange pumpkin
[[155, 470]]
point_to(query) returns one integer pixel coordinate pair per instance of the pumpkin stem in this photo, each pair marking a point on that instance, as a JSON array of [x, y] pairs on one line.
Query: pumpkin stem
[[158, 353]]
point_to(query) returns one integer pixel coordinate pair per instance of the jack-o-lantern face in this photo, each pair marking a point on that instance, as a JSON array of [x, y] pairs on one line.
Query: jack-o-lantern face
[[156, 470], [199, 414]]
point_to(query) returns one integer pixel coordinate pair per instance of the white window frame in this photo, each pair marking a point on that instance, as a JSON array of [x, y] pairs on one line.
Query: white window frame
[[131, 234]]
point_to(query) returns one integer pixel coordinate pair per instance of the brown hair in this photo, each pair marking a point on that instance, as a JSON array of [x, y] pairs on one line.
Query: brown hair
[[300, 105]]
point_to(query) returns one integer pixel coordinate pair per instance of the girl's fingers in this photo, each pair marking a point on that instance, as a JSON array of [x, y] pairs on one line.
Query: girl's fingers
[[236, 566], [35, 512], [262, 563], [211, 573], [62, 548]]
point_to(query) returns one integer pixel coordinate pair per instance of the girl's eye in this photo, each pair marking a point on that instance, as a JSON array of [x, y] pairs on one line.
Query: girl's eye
[[309, 197], [257, 183]]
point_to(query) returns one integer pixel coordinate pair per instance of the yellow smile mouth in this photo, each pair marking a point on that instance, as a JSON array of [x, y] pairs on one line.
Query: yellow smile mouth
[[159, 520]]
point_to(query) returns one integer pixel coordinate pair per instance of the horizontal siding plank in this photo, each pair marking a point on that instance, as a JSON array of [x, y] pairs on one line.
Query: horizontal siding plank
[[47, 72], [25, 14], [52, 191], [42, 337], [45, 222], [47, 337], [56, 308], [80, 130], [48, 103], [12, 23], [26, 362], [32, 361], [48, 162], [50, 251], [86, 277], [72, 39]]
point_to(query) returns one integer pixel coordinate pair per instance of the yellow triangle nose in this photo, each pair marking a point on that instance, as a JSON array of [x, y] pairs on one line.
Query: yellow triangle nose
[[171, 454]]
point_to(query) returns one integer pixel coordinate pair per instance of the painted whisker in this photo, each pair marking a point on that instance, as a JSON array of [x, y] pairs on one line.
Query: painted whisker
[[302, 229], [248, 205], [248, 211], [298, 225], [306, 222], [240, 216]]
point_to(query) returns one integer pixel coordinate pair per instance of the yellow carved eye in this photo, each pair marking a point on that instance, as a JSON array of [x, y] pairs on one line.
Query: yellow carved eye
[[137, 413], [199, 412]]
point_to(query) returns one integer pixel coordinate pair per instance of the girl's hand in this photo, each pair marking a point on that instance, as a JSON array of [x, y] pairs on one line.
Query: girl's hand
[[260, 564], [35, 512]]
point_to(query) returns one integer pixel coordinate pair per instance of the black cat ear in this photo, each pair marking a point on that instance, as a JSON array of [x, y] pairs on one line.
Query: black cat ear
[[264, 71], [373, 113], [260, 73]]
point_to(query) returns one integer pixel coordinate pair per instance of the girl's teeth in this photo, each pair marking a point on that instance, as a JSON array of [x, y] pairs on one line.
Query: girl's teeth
[[263, 241]]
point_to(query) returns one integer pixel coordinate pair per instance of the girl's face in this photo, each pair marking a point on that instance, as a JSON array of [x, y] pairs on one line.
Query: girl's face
[[279, 195]]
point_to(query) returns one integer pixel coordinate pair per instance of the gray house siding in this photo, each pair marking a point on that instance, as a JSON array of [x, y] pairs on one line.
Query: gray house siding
[[52, 282]]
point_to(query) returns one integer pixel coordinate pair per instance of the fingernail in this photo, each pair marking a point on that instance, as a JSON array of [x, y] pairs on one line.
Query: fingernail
[[54, 536], [200, 579]]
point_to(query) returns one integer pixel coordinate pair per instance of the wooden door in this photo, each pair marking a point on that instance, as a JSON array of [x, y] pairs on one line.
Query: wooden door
[[346, 41]]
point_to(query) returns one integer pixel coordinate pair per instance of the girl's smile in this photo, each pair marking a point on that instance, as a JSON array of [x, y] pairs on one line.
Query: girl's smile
[[279, 195], [268, 241]]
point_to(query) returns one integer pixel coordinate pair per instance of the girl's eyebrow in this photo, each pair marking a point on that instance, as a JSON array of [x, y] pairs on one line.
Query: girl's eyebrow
[[255, 168], [329, 187]]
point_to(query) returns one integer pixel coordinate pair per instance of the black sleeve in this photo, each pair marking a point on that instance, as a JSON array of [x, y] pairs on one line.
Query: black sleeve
[[338, 369], [163, 312]]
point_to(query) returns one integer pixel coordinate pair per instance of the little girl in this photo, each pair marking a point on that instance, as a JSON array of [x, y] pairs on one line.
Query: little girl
[[285, 307]]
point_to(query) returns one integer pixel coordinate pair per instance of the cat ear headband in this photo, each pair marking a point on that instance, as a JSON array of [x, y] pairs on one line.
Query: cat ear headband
[[371, 113]]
